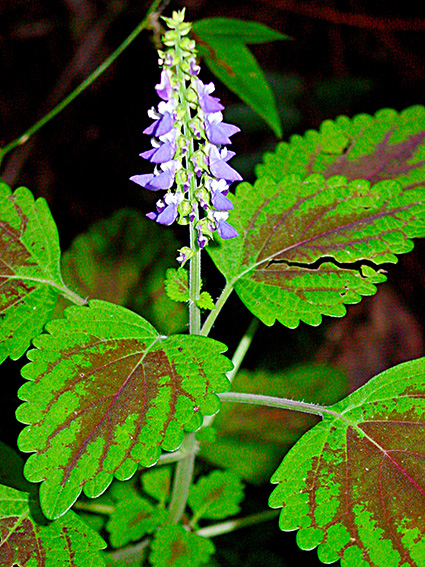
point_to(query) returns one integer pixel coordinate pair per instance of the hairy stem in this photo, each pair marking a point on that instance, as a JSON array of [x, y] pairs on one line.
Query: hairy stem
[[78, 90], [270, 401], [184, 469], [232, 525]]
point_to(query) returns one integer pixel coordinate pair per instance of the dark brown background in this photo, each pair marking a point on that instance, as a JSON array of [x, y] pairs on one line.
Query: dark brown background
[[346, 57]]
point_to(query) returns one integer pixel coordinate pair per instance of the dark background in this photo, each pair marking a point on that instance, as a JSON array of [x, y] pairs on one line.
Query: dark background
[[346, 57]]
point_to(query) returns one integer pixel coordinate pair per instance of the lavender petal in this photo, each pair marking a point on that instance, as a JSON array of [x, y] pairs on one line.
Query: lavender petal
[[226, 230], [168, 215], [164, 153], [153, 182], [220, 202], [164, 89], [161, 126], [207, 102], [219, 133]]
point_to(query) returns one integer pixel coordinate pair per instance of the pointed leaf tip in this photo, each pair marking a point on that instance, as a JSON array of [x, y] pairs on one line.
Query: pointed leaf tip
[[304, 243], [107, 392]]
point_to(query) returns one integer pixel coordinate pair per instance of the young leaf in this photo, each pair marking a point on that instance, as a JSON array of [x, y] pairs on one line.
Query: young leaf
[[157, 482], [106, 392], [29, 269], [67, 542], [175, 546], [216, 496], [223, 44], [288, 229], [388, 145], [123, 259], [132, 519], [355, 483], [177, 284], [205, 301], [251, 439]]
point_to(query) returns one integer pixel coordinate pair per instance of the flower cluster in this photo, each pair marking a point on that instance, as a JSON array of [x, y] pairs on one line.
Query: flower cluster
[[188, 139]]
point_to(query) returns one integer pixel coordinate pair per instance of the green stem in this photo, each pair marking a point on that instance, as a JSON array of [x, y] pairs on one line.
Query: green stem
[[242, 349], [184, 469], [132, 555], [94, 507], [237, 359], [78, 90], [205, 331], [168, 458], [270, 401], [182, 479], [232, 525]]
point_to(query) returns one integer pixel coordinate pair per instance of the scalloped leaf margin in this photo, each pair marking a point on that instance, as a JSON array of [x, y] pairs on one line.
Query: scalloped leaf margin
[[354, 485], [29, 269], [107, 392]]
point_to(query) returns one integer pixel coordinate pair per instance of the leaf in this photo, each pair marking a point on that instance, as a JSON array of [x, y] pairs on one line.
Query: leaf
[[132, 519], [29, 269], [26, 538], [175, 546], [177, 284], [205, 301], [123, 259], [304, 244], [251, 439], [389, 145], [355, 483], [106, 392], [222, 42], [216, 496], [67, 542], [157, 483]]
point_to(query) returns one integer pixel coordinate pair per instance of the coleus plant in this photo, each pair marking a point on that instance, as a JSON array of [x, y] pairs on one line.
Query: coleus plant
[[115, 411]]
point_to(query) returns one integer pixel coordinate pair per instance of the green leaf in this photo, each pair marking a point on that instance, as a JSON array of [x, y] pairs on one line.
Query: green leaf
[[222, 42], [157, 483], [177, 284], [26, 535], [67, 542], [216, 496], [303, 243], [251, 439], [389, 145], [123, 259], [355, 483], [205, 301], [106, 392], [132, 519], [29, 269], [176, 547]]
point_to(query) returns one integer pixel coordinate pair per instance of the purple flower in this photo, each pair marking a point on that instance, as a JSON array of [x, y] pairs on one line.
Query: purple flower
[[167, 210], [165, 152], [202, 240], [207, 102], [161, 126], [194, 68], [218, 166], [164, 88], [220, 202], [219, 132], [159, 180], [226, 230]]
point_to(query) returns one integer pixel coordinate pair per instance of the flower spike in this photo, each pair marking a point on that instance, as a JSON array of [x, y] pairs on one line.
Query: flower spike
[[188, 144]]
